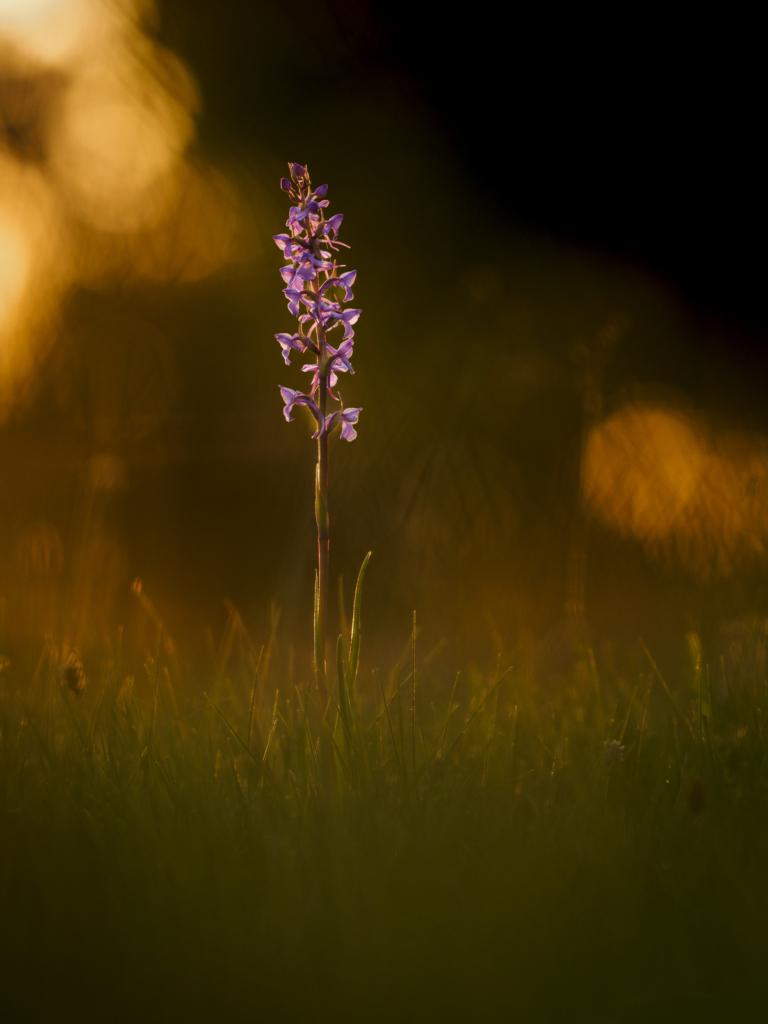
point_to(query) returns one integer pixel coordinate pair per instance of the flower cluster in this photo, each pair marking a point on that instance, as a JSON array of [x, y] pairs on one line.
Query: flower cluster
[[316, 289]]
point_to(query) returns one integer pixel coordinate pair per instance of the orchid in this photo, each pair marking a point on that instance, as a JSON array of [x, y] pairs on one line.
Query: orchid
[[347, 418], [292, 398], [317, 288], [289, 342]]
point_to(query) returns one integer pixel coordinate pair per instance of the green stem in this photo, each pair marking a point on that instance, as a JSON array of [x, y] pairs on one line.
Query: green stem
[[323, 541]]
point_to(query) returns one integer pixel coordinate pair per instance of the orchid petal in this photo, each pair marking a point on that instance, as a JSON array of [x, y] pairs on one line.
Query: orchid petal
[[288, 342], [291, 398], [348, 418], [333, 224]]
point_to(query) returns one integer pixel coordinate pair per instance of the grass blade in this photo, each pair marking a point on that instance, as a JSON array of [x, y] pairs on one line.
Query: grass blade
[[345, 708], [354, 640], [678, 713], [413, 697], [253, 698]]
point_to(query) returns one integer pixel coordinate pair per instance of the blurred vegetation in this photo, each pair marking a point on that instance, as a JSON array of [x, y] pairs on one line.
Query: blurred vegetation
[[194, 843]]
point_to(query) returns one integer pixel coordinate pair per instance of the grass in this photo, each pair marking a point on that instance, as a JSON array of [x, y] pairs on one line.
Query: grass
[[189, 845]]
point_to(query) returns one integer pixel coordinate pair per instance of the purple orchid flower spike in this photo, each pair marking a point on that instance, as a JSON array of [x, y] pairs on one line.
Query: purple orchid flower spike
[[317, 289]]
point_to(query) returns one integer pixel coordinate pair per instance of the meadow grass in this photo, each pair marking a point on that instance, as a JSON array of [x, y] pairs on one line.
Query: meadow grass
[[208, 845]]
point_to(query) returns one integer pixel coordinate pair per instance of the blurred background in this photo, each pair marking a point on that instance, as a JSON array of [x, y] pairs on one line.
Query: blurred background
[[561, 360]]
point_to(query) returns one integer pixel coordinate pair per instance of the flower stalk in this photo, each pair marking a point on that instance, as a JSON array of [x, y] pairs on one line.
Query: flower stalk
[[317, 288]]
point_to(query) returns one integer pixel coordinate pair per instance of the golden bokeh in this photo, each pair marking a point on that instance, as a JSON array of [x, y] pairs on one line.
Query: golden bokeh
[[97, 186], [34, 271], [26, 12], [116, 144], [688, 492], [193, 237], [56, 32], [14, 269]]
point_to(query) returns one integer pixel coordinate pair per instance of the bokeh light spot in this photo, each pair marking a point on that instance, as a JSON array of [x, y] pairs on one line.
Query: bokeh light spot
[[26, 11], [54, 32], [114, 152], [692, 494]]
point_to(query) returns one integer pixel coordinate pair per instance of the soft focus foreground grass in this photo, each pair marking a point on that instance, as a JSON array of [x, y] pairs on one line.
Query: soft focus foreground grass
[[155, 864]]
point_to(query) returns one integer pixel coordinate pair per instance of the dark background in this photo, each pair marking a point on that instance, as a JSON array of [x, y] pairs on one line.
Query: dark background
[[638, 135], [509, 183]]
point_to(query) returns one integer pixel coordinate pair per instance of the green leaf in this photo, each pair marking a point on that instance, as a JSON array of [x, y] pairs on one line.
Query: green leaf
[[354, 643]]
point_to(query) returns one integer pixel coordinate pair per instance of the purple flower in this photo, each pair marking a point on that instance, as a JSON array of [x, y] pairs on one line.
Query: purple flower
[[288, 342], [344, 281], [314, 369], [294, 297], [347, 418], [341, 356], [292, 398], [332, 225], [346, 317], [305, 268], [338, 363], [313, 280], [291, 246]]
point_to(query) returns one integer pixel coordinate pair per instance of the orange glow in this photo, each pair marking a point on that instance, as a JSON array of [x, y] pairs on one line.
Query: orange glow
[[14, 269], [112, 194], [115, 148], [54, 32], [34, 270], [194, 237], [642, 468], [197, 233], [686, 492], [29, 12]]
